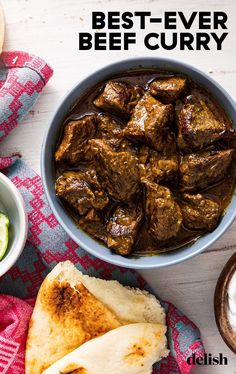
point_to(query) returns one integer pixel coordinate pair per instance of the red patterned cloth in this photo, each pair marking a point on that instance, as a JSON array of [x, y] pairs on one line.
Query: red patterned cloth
[[22, 77], [15, 315]]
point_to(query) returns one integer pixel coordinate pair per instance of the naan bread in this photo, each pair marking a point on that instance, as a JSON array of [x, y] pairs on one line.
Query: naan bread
[[130, 349], [65, 316], [130, 305], [72, 308], [2, 29]]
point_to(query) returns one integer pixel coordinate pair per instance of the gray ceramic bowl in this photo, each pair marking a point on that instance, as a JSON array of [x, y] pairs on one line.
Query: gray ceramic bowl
[[47, 169], [12, 204]]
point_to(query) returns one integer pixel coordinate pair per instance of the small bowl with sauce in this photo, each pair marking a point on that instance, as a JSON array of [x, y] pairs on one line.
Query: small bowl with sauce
[[79, 102], [12, 205], [225, 303]]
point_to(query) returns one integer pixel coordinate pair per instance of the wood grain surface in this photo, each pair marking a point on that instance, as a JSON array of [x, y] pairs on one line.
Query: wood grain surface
[[49, 28]]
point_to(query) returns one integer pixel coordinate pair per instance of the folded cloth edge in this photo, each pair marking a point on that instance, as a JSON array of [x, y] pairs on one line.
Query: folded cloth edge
[[20, 59]]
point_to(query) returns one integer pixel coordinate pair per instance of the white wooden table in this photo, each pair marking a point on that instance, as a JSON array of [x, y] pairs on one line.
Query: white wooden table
[[49, 28]]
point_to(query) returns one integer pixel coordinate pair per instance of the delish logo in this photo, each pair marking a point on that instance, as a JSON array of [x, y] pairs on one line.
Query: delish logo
[[207, 359]]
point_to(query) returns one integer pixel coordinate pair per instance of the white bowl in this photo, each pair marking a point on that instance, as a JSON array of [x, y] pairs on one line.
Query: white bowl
[[12, 204]]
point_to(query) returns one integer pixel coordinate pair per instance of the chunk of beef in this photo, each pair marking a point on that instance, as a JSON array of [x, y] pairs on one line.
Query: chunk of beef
[[148, 121], [159, 166], [118, 171], [200, 170], [109, 128], [118, 98], [112, 132], [75, 139], [200, 124], [168, 89], [163, 167], [200, 213], [123, 228], [81, 190], [165, 217], [93, 224]]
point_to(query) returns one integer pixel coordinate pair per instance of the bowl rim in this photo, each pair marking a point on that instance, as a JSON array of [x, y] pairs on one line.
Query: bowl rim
[[7, 262], [117, 259]]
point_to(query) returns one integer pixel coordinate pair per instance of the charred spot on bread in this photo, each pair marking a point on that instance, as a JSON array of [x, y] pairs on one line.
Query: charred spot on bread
[[77, 303]]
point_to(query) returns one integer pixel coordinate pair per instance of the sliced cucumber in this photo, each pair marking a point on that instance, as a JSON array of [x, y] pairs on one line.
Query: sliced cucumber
[[4, 230]]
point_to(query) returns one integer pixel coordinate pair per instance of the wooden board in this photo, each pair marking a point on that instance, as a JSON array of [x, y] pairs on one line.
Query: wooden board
[[50, 29]]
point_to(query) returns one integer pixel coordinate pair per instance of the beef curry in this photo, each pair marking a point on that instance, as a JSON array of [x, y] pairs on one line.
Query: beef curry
[[145, 162]]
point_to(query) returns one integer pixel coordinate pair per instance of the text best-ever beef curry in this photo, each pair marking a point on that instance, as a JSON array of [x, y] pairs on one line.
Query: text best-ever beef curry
[[145, 162]]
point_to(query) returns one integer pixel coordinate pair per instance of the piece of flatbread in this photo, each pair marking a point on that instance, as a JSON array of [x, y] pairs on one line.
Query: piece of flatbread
[[130, 349], [72, 308], [65, 316], [2, 29]]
